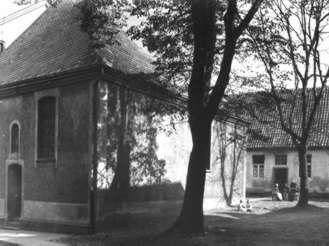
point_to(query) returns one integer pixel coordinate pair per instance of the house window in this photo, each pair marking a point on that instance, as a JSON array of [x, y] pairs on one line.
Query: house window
[[280, 159], [309, 165], [46, 128], [258, 166], [14, 146]]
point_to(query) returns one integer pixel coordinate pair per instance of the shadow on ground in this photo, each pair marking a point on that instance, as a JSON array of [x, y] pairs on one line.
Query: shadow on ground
[[2, 243], [270, 223]]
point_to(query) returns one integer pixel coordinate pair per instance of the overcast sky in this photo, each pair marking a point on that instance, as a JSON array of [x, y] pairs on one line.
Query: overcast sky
[[7, 7]]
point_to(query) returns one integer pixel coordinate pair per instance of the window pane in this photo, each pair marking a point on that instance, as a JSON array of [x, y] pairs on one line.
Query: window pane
[[14, 138], [280, 159], [261, 171], [46, 127], [258, 159], [255, 171]]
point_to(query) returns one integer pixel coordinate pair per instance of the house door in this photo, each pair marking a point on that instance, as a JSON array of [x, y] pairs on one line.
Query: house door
[[280, 177], [14, 198]]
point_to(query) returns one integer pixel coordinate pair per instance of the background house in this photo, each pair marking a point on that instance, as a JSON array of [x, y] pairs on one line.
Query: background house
[[50, 81], [271, 157]]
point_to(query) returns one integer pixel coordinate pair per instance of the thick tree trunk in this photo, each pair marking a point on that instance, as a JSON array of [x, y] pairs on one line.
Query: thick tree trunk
[[203, 105], [121, 180], [191, 217], [303, 198]]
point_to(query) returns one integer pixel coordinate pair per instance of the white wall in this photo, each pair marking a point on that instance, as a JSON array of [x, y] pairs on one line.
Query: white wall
[[175, 150], [319, 182]]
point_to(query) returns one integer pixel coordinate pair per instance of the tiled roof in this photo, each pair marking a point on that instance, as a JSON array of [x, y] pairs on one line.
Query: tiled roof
[[55, 43], [267, 133]]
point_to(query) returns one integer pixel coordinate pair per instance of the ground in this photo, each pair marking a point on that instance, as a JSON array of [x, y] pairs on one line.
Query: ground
[[13, 237], [270, 223]]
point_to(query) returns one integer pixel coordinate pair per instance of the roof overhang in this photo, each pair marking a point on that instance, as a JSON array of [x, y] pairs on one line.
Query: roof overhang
[[142, 83]]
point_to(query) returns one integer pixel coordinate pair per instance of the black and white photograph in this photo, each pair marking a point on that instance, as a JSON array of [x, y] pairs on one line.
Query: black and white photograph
[[164, 122]]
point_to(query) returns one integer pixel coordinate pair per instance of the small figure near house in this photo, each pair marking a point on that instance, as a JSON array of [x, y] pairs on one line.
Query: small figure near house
[[294, 192], [276, 194], [242, 207], [285, 192], [248, 206]]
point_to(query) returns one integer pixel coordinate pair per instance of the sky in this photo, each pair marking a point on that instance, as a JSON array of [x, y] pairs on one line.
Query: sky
[[7, 7]]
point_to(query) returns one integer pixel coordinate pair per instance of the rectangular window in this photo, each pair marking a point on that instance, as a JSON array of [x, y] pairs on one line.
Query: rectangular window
[[255, 171], [258, 166], [46, 128], [309, 165], [280, 159], [261, 171]]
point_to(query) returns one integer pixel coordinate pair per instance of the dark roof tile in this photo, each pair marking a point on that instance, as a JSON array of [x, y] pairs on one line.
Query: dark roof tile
[[55, 43], [263, 136]]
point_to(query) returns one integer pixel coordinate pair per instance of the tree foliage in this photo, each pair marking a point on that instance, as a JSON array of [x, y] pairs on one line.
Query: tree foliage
[[102, 19], [26, 2], [129, 125], [166, 30]]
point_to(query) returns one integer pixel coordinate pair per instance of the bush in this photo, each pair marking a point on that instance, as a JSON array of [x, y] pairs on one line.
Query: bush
[[157, 192]]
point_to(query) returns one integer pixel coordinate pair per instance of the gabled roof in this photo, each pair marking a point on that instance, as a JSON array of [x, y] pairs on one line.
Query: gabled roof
[[265, 131], [55, 43], [55, 46]]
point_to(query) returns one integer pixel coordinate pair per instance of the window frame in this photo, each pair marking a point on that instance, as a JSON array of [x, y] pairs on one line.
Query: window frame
[[16, 153], [42, 162], [278, 158], [257, 166]]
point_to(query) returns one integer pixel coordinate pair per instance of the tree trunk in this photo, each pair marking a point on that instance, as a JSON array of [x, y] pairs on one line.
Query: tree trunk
[[121, 180], [222, 173], [303, 198], [191, 218]]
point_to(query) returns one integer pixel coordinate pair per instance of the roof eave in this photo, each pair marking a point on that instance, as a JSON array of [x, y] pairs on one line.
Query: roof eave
[[62, 78]]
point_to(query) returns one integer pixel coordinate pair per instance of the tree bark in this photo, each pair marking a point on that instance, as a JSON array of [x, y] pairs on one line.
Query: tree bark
[[191, 217], [121, 181], [203, 105], [222, 158], [303, 198]]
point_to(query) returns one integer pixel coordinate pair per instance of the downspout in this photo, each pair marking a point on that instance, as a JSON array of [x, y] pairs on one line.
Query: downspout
[[93, 188]]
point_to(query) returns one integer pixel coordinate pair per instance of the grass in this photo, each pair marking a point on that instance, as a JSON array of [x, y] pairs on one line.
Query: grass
[[270, 223]]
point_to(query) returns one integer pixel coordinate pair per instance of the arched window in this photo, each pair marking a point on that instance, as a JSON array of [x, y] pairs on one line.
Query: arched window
[[14, 148], [46, 127]]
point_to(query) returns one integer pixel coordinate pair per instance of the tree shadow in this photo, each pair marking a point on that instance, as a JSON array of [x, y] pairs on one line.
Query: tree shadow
[[285, 226]]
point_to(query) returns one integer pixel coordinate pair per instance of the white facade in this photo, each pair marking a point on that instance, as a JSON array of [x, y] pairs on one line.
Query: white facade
[[259, 181], [175, 149]]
